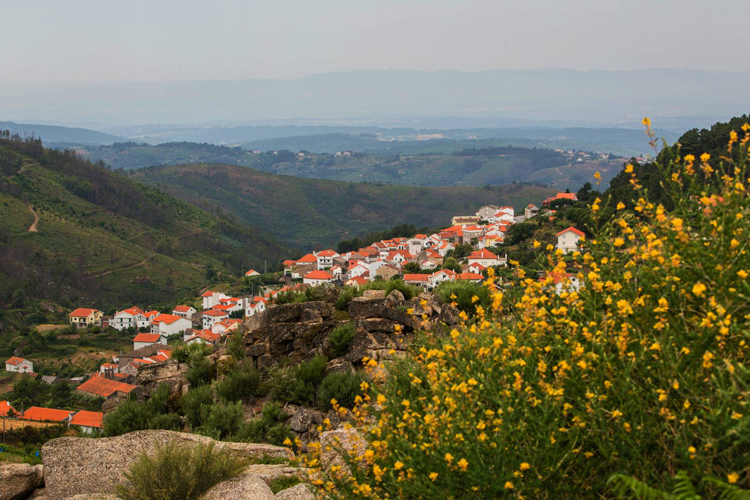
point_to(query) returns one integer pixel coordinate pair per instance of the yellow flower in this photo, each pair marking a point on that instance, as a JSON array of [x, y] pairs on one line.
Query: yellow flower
[[598, 176], [508, 485], [619, 242], [525, 466], [646, 122], [677, 224], [287, 442], [733, 477], [433, 476], [398, 465], [742, 273], [628, 169], [620, 206], [448, 457], [536, 245], [463, 464], [705, 157], [698, 289]]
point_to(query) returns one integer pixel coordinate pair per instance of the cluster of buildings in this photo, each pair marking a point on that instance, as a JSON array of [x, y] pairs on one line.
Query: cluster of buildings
[[87, 421], [486, 229]]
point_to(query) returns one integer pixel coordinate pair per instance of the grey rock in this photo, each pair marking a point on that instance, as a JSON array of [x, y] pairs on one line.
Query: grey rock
[[304, 419], [395, 298], [311, 316], [289, 313], [93, 496], [361, 307], [171, 372], [298, 492], [339, 365], [246, 486], [19, 480], [373, 294], [74, 466], [270, 473]]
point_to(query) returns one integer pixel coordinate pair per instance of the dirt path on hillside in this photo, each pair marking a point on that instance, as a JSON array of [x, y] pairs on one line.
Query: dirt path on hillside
[[22, 169], [33, 228], [110, 271]]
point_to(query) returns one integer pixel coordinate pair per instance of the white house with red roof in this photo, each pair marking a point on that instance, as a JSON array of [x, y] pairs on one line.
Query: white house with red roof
[[356, 281], [128, 318], [567, 239], [314, 278], [487, 211], [473, 277], [109, 367], [147, 339], [184, 311], [530, 211], [170, 324], [255, 306], [40, 414], [563, 282], [421, 280], [213, 316], [88, 422], [325, 258], [226, 325], [211, 298], [440, 276], [560, 196], [203, 337], [84, 317], [308, 260], [485, 258], [474, 268], [251, 273], [19, 365]]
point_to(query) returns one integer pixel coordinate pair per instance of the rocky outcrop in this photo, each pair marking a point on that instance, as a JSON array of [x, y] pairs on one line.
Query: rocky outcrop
[[299, 492], [245, 486], [171, 372], [19, 480], [74, 466], [385, 326]]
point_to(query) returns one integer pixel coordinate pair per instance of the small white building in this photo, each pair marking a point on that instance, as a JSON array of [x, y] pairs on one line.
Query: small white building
[[89, 422], [147, 339], [487, 211], [19, 365], [257, 305], [251, 273], [325, 259], [211, 298], [530, 211], [184, 311], [170, 324], [314, 278], [213, 316], [567, 239], [484, 258], [128, 318]]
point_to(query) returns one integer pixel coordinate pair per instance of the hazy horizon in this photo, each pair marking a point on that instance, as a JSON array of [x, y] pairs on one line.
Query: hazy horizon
[[177, 41]]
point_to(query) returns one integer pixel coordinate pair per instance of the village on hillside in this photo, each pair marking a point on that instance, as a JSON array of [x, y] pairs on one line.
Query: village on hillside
[[419, 261]]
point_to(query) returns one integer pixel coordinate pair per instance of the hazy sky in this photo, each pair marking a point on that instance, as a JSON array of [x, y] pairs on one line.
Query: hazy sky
[[174, 40]]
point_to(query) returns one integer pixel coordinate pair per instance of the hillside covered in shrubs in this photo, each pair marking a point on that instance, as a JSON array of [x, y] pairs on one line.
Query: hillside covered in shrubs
[[636, 385]]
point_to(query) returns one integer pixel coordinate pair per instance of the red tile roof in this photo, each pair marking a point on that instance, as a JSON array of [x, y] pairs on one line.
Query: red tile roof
[[359, 280], [132, 311], [166, 318], [318, 275], [309, 258], [327, 253], [215, 312], [183, 309], [147, 337], [416, 277], [470, 276], [88, 418], [482, 254], [82, 311], [49, 414], [574, 230], [5, 407], [208, 293], [105, 387], [14, 361]]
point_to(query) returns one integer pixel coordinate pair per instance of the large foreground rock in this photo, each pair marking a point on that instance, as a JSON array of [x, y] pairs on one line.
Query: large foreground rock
[[247, 486], [74, 466], [271, 472], [19, 480]]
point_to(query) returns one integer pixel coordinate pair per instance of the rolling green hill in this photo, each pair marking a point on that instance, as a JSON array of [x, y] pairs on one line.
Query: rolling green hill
[[104, 240], [311, 213]]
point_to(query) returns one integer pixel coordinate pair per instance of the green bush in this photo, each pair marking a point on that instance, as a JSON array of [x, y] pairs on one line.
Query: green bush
[[270, 427], [341, 386], [341, 339], [201, 370], [221, 421], [299, 384], [192, 402], [241, 383], [137, 415], [236, 344], [179, 472], [462, 293]]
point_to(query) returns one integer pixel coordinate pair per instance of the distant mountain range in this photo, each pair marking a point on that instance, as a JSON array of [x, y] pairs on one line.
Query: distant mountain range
[[674, 98], [52, 134]]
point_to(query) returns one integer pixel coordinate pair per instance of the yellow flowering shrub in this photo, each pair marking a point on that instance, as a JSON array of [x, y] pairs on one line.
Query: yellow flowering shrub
[[548, 394]]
